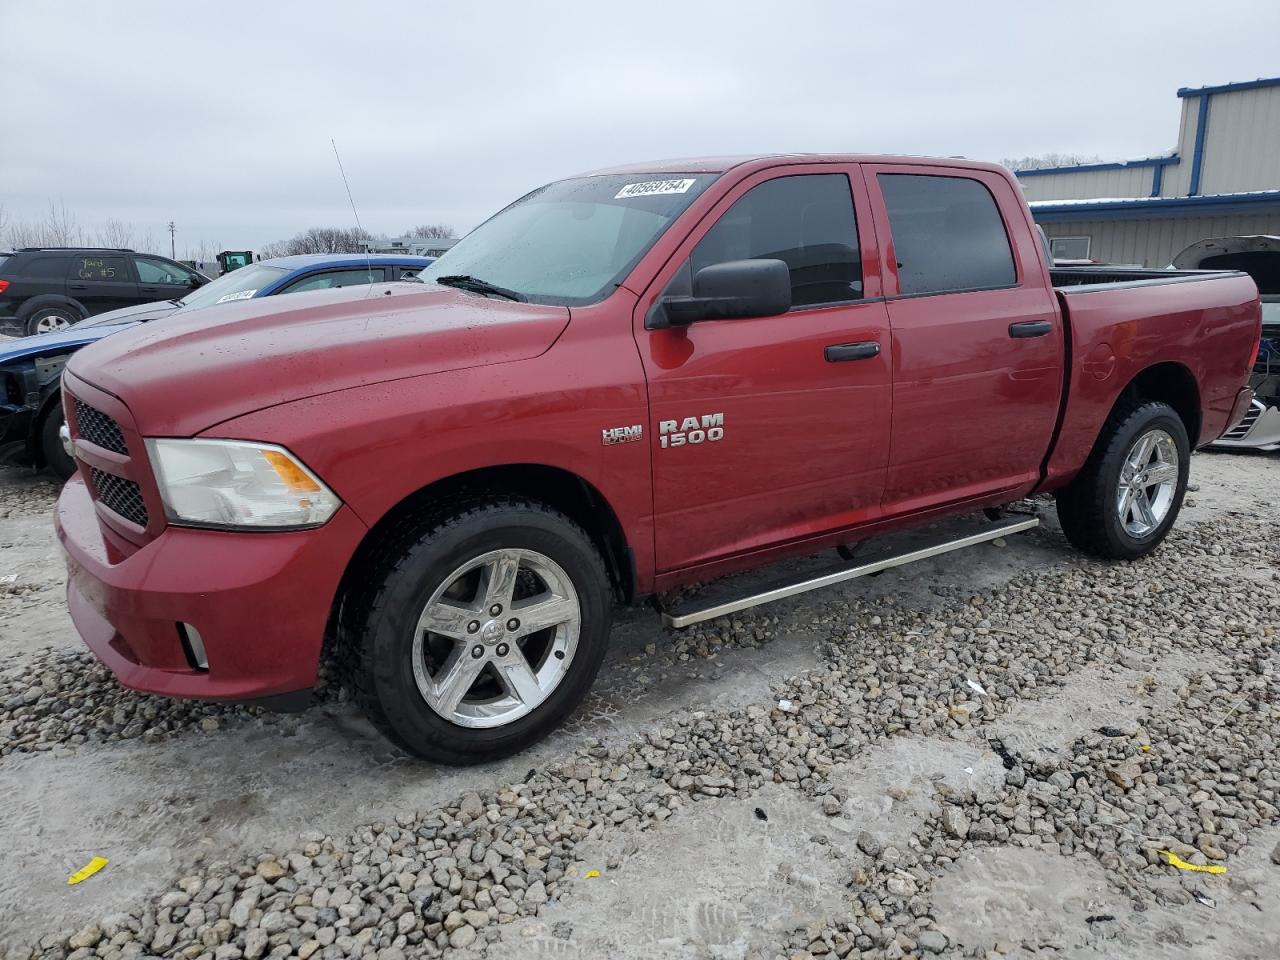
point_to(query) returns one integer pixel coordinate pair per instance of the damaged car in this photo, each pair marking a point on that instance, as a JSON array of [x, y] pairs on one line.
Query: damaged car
[[1258, 256], [31, 414]]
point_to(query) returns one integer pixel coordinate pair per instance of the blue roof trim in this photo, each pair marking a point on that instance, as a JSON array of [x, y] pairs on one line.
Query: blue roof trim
[[1144, 208], [1197, 158], [1229, 87], [1088, 167]]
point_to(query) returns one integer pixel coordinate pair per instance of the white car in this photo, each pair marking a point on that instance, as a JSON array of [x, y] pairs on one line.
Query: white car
[[1260, 258]]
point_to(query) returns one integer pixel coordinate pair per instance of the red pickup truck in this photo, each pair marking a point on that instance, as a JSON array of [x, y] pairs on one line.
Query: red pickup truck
[[621, 383]]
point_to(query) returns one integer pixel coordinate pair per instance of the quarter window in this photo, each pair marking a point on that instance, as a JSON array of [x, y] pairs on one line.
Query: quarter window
[[947, 234], [805, 221]]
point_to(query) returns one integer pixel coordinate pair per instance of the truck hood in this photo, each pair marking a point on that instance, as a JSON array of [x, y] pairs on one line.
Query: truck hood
[[189, 373]]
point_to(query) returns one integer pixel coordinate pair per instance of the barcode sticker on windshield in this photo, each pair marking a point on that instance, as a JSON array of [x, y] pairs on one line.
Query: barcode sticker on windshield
[[238, 295], [652, 188]]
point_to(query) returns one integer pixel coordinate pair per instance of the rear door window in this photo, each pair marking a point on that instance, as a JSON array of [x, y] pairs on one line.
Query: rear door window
[[101, 269], [805, 221], [947, 234]]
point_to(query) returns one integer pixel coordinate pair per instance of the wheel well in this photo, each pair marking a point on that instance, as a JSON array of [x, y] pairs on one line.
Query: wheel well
[[559, 489], [1170, 383], [32, 304]]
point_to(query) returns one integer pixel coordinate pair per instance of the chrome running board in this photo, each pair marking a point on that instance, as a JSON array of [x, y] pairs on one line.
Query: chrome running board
[[677, 619]]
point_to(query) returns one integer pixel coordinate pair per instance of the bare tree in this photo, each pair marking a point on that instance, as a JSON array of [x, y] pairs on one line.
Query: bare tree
[[115, 233], [61, 229], [319, 240], [1049, 160], [431, 231]]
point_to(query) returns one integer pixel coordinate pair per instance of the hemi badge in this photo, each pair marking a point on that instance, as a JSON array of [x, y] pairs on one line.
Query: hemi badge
[[622, 434]]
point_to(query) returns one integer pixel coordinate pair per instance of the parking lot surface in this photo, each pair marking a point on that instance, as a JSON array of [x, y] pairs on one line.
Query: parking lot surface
[[983, 754]]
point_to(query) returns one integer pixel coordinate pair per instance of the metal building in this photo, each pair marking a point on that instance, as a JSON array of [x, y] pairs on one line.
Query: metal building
[[1222, 180], [414, 246]]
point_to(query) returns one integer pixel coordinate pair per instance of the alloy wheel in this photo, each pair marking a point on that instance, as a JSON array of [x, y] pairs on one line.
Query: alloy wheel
[[1148, 482], [496, 638]]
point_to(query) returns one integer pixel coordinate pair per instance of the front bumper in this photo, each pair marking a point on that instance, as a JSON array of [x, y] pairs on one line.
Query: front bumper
[[1258, 430], [260, 602]]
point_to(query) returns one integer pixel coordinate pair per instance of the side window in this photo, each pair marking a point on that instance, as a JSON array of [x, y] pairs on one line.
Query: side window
[[158, 271], [1069, 248], [102, 269], [947, 234], [807, 222], [336, 278], [50, 268]]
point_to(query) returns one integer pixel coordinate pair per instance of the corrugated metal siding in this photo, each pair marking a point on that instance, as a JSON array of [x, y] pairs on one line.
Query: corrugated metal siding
[[1177, 176], [1088, 184], [1154, 243], [1242, 144]]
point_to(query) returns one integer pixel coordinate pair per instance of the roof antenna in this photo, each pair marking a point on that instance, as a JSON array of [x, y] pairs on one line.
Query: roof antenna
[[368, 260]]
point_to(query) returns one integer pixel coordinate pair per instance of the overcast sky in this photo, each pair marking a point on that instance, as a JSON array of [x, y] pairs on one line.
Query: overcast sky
[[219, 116]]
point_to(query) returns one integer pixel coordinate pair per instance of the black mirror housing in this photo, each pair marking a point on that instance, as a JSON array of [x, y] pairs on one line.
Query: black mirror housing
[[736, 290]]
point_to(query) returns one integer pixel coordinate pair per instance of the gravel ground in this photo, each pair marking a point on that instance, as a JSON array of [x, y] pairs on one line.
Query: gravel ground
[[982, 757]]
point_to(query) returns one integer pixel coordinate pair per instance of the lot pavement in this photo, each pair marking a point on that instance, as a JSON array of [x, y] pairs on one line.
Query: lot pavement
[[978, 755]]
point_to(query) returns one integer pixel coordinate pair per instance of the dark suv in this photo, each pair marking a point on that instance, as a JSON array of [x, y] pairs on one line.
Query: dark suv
[[43, 289]]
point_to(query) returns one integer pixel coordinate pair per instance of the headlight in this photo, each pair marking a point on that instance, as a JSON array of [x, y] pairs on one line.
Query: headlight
[[238, 483]]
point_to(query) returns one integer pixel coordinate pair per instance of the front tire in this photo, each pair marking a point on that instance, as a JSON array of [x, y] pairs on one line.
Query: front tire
[[55, 458], [50, 319], [1128, 495], [477, 629]]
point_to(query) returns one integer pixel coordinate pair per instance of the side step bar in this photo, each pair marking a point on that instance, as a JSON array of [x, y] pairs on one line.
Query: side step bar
[[677, 620]]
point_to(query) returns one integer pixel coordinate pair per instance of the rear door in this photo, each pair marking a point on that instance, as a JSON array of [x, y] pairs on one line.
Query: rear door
[[160, 279], [103, 281], [978, 344], [771, 429]]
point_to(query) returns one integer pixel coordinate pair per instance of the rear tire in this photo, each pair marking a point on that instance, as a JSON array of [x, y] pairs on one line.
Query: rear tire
[[55, 458], [1124, 501], [50, 319], [488, 684]]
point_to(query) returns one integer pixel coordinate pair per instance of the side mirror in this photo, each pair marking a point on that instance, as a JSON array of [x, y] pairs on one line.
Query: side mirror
[[196, 281], [736, 290]]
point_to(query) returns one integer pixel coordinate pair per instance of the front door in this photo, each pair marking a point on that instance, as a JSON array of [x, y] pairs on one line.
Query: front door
[[162, 279], [978, 341], [774, 428]]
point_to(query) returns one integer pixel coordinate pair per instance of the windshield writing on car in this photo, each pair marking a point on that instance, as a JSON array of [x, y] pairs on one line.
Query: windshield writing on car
[[571, 242]]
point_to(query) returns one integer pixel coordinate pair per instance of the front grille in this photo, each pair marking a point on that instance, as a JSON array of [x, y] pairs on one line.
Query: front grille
[[121, 495], [99, 429], [1241, 430]]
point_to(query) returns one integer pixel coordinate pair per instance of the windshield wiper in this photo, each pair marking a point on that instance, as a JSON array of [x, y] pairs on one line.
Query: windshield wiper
[[465, 281]]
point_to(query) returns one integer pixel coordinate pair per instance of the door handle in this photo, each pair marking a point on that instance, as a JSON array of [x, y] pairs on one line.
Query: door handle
[[862, 350], [148, 289], [78, 286], [1030, 328]]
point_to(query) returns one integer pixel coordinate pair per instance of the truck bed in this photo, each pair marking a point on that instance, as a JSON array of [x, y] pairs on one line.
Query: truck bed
[[1104, 276], [1190, 325]]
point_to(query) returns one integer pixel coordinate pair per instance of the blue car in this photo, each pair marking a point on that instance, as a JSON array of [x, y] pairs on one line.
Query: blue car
[[31, 367]]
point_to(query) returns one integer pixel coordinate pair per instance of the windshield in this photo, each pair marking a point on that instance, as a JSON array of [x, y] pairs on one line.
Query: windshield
[[237, 285], [573, 241]]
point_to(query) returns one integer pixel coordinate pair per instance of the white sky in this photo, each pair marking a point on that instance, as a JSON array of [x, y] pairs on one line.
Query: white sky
[[219, 115]]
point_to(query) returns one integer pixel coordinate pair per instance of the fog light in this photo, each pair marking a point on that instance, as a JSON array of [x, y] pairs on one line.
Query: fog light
[[64, 434], [193, 645]]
